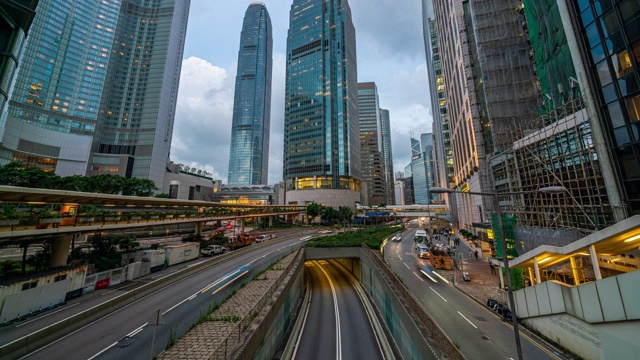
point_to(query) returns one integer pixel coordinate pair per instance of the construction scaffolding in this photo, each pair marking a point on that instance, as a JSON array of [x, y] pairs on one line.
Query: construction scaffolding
[[561, 154]]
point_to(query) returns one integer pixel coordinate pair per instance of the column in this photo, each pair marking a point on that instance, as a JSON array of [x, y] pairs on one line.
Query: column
[[574, 270], [270, 222], [532, 277], [199, 226], [242, 226], [60, 251], [595, 263], [536, 270]]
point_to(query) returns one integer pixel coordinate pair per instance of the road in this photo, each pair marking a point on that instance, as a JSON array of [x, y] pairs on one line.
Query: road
[[127, 332], [480, 333], [336, 325]]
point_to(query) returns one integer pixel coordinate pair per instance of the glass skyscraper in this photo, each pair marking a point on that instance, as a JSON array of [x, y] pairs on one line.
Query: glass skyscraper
[[138, 104], [387, 153], [249, 158], [371, 155], [53, 108], [321, 142]]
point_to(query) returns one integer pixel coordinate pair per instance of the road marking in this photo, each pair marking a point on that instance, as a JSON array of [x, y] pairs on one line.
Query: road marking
[[30, 321], [105, 349], [198, 263], [418, 276], [445, 300], [438, 275], [337, 311], [469, 321], [120, 288], [405, 264], [429, 276], [304, 322], [134, 332]]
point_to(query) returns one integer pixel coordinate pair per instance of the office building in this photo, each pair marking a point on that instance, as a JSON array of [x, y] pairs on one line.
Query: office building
[[54, 106], [371, 152], [249, 157], [387, 155], [138, 104], [321, 132]]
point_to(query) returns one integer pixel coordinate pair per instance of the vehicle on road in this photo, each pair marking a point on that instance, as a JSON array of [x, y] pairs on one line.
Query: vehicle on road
[[422, 251], [420, 237], [236, 242], [212, 250], [397, 237], [261, 238], [325, 232]]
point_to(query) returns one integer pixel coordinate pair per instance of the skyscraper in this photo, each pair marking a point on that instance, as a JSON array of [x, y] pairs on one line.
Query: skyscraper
[[249, 158], [387, 153], [321, 142], [371, 155], [54, 105], [138, 103]]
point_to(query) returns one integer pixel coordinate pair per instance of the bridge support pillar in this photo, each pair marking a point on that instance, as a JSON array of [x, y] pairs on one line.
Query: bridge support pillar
[[270, 222], [60, 250], [199, 227], [242, 226]]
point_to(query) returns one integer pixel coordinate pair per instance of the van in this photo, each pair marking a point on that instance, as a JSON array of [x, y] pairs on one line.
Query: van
[[420, 236], [422, 251]]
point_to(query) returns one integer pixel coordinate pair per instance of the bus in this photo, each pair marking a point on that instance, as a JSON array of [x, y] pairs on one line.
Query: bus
[[421, 236]]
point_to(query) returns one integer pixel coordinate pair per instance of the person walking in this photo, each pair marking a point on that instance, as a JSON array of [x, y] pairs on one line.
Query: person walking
[[476, 254], [493, 270], [470, 254]]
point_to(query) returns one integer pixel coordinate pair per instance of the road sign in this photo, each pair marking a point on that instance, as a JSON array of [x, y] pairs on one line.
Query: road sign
[[228, 226]]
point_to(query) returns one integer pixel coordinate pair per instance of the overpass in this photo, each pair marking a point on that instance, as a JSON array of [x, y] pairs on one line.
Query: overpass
[[412, 211]]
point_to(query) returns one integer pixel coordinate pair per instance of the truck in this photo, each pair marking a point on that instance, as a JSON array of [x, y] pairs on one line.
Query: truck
[[240, 241], [212, 250]]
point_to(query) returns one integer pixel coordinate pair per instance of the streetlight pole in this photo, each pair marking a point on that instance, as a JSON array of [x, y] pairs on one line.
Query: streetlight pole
[[496, 201]]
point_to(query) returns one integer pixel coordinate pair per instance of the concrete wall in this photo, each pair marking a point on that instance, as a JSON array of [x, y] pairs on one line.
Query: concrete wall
[[596, 320], [329, 197]]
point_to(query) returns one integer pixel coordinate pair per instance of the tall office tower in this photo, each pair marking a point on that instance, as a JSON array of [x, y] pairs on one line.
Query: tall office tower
[[249, 158], [16, 17], [321, 142], [443, 158], [138, 104], [54, 105], [603, 38], [407, 179], [387, 154], [371, 152], [418, 171], [428, 155], [467, 118]]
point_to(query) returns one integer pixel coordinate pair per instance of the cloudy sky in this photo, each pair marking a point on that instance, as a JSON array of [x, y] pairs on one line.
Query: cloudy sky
[[390, 52]]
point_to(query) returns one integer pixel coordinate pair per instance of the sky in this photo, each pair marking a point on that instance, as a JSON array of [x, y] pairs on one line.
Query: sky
[[390, 52]]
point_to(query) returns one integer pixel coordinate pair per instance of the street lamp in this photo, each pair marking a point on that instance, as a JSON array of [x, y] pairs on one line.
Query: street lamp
[[514, 317]]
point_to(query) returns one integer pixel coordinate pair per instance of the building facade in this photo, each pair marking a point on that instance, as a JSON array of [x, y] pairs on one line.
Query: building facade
[[321, 131], [137, 108], [387, 155], [249, 157], [371, 152]]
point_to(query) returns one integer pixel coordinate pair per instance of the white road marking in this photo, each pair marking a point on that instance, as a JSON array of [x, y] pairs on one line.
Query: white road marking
[[445, 300], [198, 263], [418, 276], [304, 322], [405, 264], [120, 288], [429, 276], [105, 349], [134, 332], [438, 275], [335, 306], [467, 320]]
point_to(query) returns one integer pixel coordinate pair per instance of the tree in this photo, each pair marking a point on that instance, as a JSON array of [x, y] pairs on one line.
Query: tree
[[313, 210], [128, 243], [11, 174], [329, 215], [345, 213], [139, 187]]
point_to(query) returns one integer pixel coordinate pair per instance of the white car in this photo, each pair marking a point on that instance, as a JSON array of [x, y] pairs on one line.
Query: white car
[[212, 250], [325, 232], [261, 238]]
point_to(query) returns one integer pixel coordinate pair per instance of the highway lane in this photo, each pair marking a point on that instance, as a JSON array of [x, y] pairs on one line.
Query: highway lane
[[478, 331], [336, 325], [127, 332]]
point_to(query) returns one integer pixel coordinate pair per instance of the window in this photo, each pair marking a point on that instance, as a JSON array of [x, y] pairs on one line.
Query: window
[[621, 63], [633, 108], [29, 285]]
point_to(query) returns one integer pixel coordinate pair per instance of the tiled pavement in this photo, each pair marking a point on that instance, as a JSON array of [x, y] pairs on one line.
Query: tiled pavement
[[213, 339]]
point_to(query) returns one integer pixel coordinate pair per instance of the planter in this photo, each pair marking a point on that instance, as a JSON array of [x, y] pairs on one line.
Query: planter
[[154, 217], [9, 222], [112, 218], [182, 216], [51, 221], [135, 218], [86, 219], [169, 217]]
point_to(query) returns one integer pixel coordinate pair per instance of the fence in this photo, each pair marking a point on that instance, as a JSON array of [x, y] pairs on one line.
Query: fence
[[104, 279]]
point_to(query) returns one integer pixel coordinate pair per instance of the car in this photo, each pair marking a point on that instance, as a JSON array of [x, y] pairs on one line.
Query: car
[[397, 237], [261, 238], [423, 251], [325, 232], [212, 250]]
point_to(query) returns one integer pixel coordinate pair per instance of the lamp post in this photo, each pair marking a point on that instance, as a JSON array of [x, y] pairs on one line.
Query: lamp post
[[496, 201]]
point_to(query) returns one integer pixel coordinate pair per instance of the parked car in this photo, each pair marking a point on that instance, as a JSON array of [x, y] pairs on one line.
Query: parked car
[[261, 238], [212, 250]]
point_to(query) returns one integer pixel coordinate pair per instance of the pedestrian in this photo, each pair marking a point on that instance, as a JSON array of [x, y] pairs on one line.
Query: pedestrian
[[476, 254], [470, 254], [493, 270]]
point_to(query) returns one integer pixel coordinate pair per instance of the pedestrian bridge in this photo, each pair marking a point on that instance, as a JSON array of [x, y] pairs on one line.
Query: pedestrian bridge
[[412, 211]]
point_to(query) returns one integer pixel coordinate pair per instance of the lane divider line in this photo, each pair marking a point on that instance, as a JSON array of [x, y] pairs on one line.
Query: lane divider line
[[105, 349], [405, 264], [445, 300], [418, 276], [337, 311], [134, 332], [43, 316], [469, 321]]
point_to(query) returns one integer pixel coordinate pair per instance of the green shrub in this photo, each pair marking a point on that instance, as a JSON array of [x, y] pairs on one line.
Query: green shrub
[[372, 237]]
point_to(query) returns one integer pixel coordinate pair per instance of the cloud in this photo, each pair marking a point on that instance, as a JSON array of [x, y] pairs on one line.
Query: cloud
[[202, 130]]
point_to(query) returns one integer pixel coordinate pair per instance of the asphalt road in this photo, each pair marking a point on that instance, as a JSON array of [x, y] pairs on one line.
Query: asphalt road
[[336, 325], [128, 332], [479, 332]]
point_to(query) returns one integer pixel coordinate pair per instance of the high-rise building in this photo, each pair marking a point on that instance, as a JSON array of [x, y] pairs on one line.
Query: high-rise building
[[138, 104], [387, 153], [15, 21], [428, 155], [371, 152], [321, 132], [422, 167], [54, 105], [249, 158]]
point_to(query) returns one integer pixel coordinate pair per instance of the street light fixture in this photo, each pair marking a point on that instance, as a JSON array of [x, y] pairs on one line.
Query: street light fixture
[[514, 317]]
